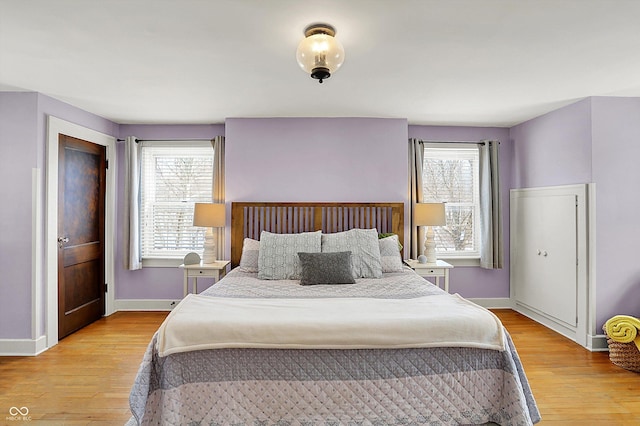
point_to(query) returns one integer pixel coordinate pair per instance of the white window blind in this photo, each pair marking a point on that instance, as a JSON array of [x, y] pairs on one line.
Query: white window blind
[[451, 175], [175, 175]]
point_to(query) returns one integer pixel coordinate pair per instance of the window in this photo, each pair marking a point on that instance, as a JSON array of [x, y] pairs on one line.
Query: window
[[450, 175], [174, 176]]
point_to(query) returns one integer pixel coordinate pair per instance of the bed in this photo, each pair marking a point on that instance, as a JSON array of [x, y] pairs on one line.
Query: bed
[[390, 348]]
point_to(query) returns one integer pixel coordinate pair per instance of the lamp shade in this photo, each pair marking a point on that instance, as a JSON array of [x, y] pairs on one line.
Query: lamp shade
[[209, 215], [429, 214]]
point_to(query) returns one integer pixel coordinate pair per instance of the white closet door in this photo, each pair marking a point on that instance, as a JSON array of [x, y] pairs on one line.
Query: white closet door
[[561, 258], [546, 255], [526, 264]]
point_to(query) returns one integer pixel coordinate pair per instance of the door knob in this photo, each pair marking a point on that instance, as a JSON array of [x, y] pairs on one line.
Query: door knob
[[62, 241]]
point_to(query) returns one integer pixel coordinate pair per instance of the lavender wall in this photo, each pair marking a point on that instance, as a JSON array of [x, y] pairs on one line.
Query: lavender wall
[[553, 149], [475, 282], [316, 159], [23, 126], [616, 150], [18, 156], [151, 283]]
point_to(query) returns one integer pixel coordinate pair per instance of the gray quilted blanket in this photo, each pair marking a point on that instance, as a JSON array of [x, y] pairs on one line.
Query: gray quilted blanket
[[434, 386]]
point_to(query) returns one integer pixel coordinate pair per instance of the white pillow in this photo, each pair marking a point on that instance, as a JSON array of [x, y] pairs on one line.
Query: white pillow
[[278, 254], [364, 247], [249, 257], [390, 257]]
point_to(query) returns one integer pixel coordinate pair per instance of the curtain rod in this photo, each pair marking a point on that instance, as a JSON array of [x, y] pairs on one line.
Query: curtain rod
[[465, 142], [167, 140]]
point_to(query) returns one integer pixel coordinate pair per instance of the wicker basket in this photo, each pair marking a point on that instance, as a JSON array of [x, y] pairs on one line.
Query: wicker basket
[[625, 355]]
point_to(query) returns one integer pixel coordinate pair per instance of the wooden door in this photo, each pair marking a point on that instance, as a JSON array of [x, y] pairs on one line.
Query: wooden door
[[81, 221]]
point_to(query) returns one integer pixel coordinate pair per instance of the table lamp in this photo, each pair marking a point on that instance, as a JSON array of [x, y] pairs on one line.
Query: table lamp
[[429, 215], [210, 216]]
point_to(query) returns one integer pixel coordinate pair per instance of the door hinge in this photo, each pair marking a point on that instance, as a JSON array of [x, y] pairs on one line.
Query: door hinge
[[106, 164], [106, 288]]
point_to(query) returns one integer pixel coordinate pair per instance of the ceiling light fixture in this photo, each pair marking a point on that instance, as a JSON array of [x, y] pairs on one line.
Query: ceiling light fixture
[[320, 53]]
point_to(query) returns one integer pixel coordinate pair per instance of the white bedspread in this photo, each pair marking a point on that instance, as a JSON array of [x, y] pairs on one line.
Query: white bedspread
[[205, 322]]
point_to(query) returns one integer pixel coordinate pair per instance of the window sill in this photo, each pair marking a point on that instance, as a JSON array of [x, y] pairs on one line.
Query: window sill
[[162, 263], [461, 261]]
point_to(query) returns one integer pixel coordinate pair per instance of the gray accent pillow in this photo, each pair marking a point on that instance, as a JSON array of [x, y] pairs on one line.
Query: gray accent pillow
[[390, 257], [278, 254], [249, 257], [326, 268], [364, 248]]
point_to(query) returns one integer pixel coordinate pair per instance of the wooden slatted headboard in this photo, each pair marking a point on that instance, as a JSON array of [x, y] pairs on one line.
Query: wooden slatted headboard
[[248, 219]]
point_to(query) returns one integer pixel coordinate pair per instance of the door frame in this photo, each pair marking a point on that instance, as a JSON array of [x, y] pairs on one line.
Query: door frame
[[55, 127]]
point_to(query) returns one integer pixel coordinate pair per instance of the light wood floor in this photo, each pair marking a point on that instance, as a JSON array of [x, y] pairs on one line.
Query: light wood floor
[[86, 378]]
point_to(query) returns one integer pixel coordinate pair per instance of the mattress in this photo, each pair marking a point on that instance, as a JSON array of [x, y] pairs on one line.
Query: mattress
[[254, 386]]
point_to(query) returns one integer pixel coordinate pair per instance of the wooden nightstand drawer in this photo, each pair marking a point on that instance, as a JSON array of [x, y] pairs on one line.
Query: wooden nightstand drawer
[[430, 272], [205, 273]]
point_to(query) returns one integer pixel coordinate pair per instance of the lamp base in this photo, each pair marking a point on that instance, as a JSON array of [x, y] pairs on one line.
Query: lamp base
[[430, 247], [209, 255]]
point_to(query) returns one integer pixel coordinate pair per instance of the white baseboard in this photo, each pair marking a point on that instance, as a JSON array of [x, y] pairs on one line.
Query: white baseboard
[[169, 304], [145, 304], [493, 303], [597, 343], [23, 347]]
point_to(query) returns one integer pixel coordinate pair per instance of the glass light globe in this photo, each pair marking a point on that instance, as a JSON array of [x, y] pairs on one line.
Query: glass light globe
[[320, 52]]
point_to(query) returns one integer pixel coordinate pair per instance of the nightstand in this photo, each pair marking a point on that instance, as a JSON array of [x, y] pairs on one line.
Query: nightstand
[[214, 270], [440, 269]]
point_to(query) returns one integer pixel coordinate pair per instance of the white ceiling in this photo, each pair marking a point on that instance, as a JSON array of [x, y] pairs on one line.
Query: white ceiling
[[441, 62]]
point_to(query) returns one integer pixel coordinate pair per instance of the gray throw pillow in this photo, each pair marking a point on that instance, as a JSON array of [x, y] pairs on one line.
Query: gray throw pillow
[[326, 268]]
